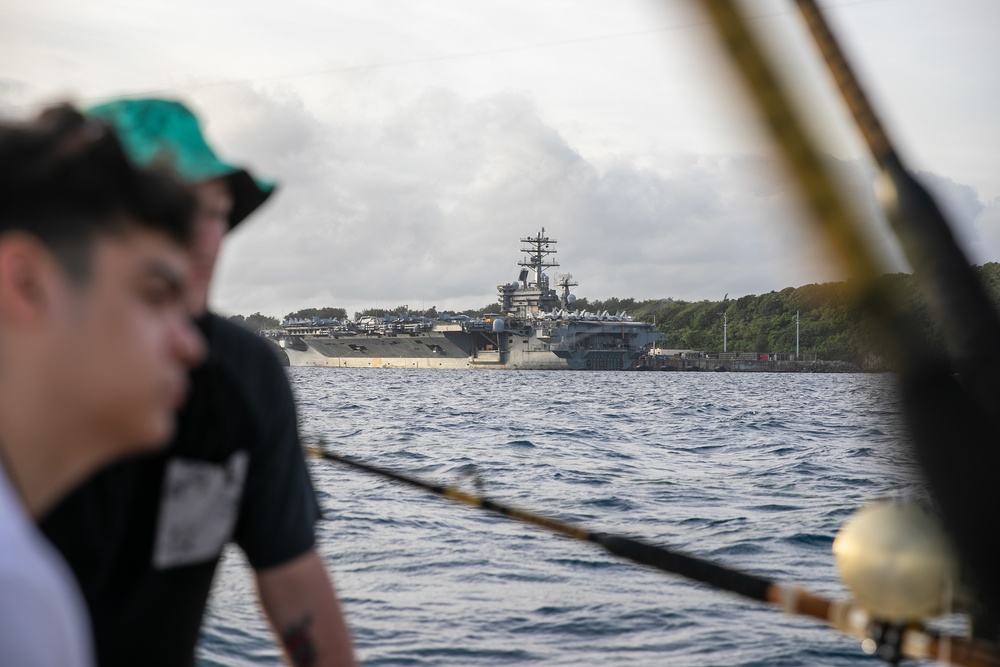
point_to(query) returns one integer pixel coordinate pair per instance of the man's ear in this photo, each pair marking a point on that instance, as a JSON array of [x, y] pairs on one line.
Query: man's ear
[[28, 279]]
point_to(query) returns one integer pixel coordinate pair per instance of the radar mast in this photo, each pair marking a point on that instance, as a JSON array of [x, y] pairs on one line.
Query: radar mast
[[538, 249]]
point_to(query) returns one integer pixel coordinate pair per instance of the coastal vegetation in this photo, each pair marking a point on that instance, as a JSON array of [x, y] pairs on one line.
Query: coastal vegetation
[[256, 322], [321, 313], [831, 325]]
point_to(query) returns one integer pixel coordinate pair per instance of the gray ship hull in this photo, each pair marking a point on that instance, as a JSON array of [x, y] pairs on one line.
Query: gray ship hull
[[453, 350]]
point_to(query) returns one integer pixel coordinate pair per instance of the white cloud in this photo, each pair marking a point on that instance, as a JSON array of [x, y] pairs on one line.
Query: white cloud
[[988, 227], [962, 207], [424, 205], [416, 143]]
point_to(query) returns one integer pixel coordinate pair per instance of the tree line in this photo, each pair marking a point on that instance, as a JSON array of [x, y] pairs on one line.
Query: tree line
[[831, 325]]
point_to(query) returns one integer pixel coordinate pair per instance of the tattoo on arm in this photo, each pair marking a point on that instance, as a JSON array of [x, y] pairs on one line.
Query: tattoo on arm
[[298, 644]]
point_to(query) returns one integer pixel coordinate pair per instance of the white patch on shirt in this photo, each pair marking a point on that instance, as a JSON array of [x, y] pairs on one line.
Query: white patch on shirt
[[198, 510]]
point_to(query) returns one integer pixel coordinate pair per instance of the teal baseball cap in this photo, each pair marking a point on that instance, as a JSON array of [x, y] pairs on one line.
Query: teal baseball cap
[[157, 131]]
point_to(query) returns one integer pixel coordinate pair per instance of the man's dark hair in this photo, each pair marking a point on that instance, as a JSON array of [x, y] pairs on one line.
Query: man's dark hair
[[65, 179]]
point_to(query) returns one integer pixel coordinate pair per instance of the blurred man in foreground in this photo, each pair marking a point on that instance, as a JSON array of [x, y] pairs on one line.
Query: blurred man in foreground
[[144, 537], [95, 347]]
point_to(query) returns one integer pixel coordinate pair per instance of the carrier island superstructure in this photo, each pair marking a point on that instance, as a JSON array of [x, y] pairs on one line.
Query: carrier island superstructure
[[537, 329]]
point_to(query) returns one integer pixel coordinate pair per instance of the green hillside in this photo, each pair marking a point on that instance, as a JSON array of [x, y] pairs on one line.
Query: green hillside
[[831, 327]]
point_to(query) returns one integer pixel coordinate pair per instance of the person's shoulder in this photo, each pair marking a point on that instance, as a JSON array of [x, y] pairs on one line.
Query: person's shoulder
[[17, 531], [15, 537], [249, 362], [30, 569], [44, 616], [237, 347], [225, 331]]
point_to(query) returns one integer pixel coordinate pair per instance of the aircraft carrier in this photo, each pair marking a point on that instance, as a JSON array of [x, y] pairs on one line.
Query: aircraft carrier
[[537, 329]]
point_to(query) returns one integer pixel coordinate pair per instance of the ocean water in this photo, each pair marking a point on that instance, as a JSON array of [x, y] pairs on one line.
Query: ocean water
[[755, 471]]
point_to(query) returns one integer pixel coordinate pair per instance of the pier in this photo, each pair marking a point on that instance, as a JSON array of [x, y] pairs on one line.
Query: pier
[[738, 362]]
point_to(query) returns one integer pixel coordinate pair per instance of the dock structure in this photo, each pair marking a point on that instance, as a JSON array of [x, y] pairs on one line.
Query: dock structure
[[738, 362]]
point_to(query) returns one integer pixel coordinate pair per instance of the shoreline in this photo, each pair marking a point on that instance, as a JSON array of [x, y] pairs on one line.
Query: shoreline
[[735, 364]]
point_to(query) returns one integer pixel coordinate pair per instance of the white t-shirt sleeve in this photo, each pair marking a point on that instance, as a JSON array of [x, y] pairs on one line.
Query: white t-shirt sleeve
[[39, 626], [43, 620]]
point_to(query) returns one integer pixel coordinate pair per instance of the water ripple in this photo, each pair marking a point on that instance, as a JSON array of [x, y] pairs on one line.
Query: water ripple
[[755, 471]]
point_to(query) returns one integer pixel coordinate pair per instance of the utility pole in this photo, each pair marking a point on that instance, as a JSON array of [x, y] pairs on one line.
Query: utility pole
[[725, 323]]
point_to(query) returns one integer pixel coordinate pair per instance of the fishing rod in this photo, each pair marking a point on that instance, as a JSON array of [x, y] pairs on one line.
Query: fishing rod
[[958, 452], [890, 641], [952, 406]]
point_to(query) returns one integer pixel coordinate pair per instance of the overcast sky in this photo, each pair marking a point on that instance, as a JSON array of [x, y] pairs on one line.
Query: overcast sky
[[416, 142]]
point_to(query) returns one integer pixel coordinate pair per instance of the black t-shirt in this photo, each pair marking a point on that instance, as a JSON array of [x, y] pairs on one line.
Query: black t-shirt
[[144, 536]]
